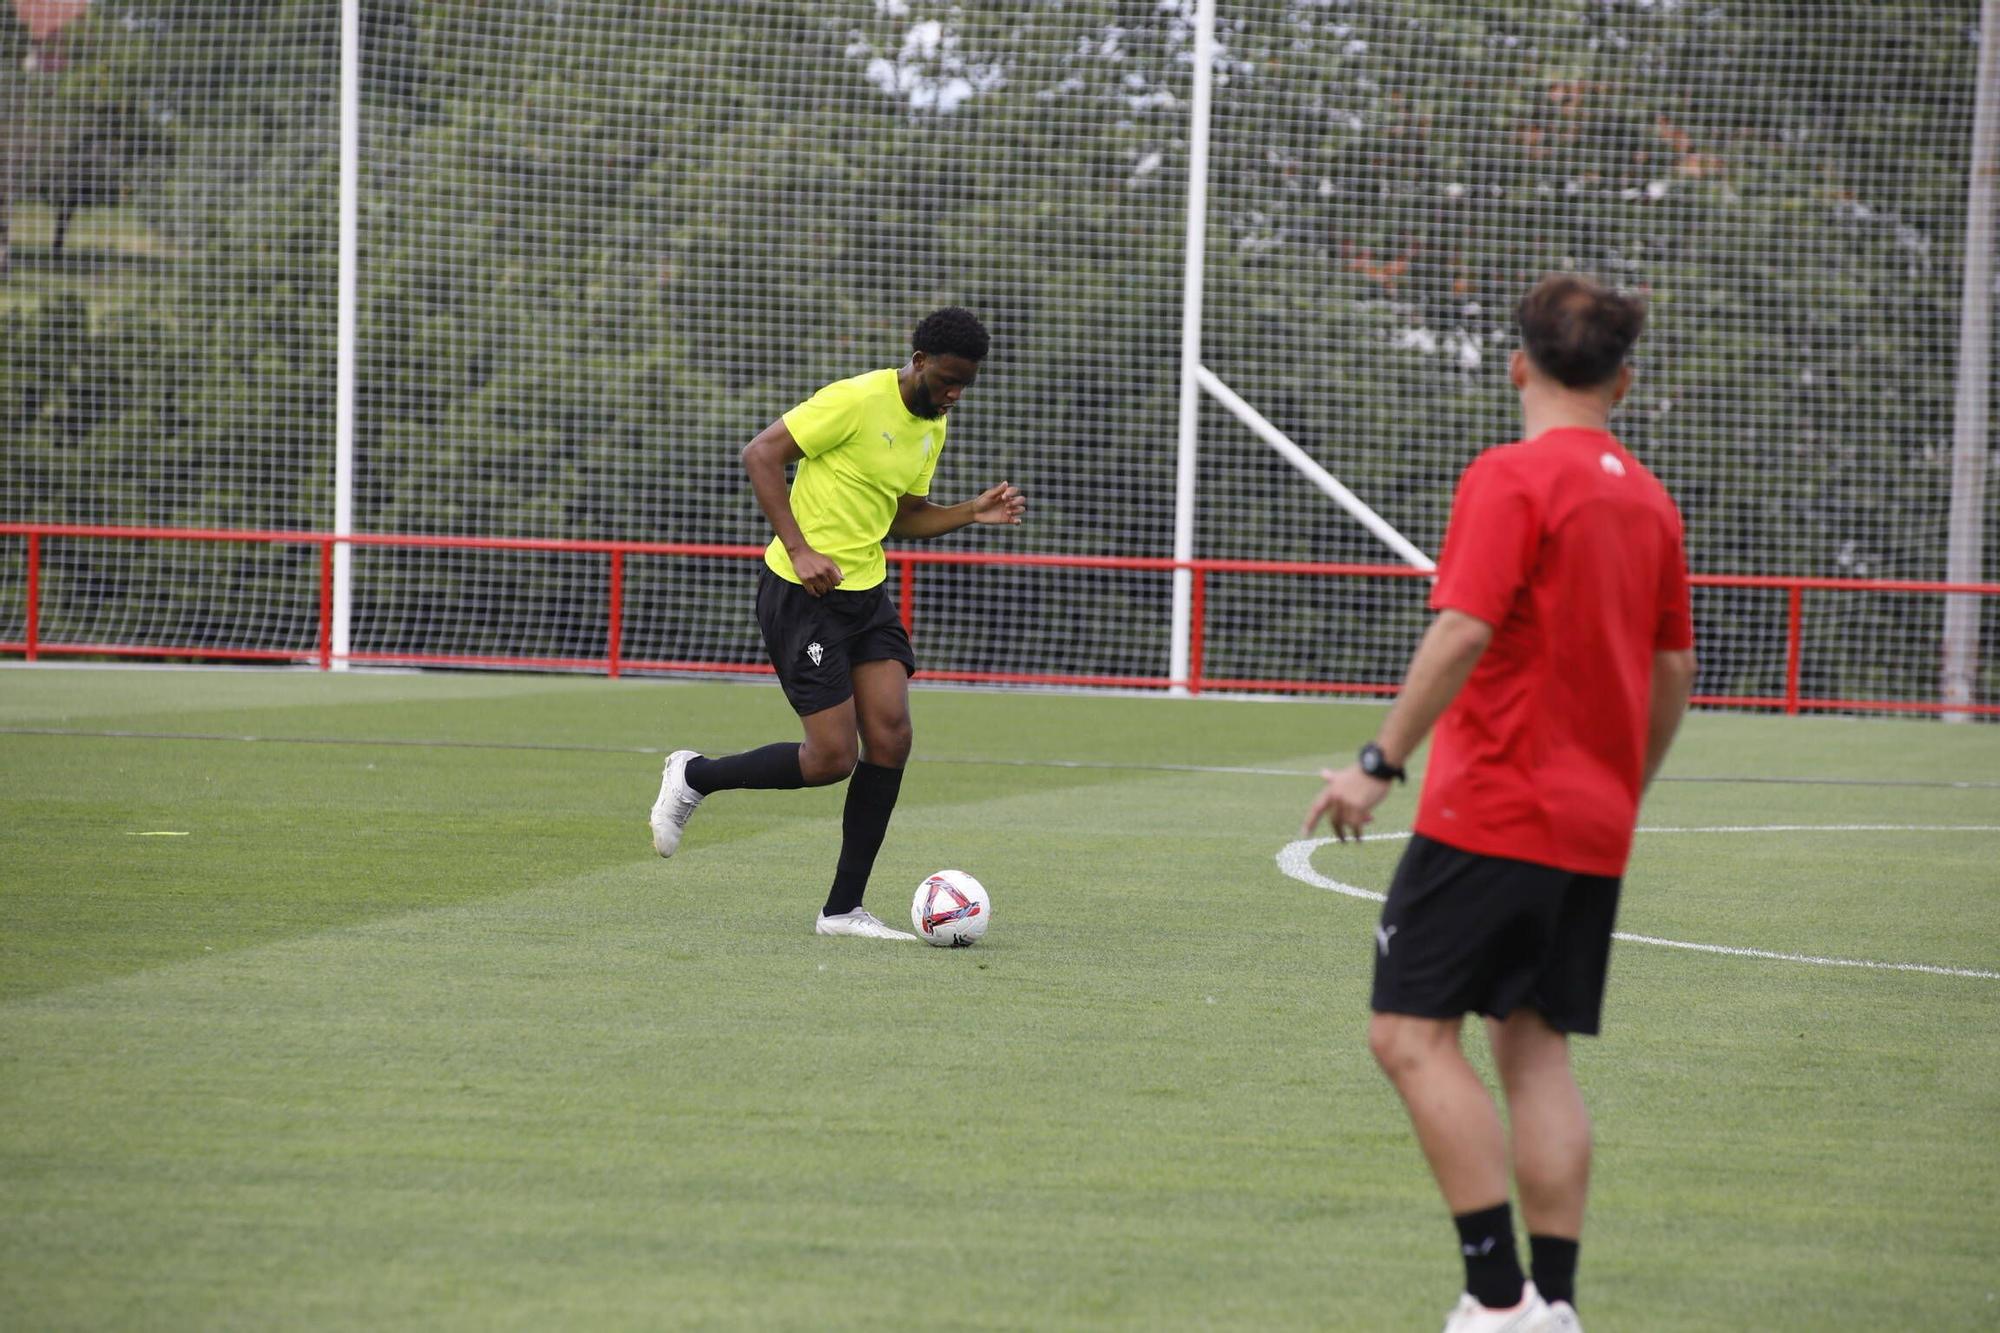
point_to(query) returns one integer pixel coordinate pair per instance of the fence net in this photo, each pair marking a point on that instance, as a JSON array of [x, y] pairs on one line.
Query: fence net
[[601, 245]]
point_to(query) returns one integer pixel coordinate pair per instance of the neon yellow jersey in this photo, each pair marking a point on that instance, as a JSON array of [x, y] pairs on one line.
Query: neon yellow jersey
[[864, 452]]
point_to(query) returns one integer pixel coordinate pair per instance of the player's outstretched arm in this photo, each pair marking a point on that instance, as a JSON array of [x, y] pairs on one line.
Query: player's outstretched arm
[[918, 518], [1444, 660]]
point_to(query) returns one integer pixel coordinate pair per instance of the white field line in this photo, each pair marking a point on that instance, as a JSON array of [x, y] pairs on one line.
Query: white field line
[[1295, 860]]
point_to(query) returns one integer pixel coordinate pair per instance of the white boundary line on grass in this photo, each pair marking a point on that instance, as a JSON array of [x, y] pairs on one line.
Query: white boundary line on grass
[[1295, 860]]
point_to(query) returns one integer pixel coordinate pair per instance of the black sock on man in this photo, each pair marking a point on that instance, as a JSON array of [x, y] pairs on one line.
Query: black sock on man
[[871, 799], [768, 768], [1554, 1261], [1492, 1266]]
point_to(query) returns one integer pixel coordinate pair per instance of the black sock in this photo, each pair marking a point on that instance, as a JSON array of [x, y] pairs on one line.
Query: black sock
[[770, 768], [1554, 1260], [1492, 1268], [871, 798]]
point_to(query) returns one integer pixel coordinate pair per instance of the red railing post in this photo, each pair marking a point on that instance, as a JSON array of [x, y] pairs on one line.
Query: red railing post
[[617, 616], [34, 594], [1197, 606], [326, 605], [39, 645], [1794, 646]]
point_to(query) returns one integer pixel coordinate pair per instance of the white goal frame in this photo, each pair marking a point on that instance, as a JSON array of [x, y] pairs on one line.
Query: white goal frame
[[1959, 648]]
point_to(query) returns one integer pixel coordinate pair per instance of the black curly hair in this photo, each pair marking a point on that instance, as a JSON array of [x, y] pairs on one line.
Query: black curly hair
[[952, 331]]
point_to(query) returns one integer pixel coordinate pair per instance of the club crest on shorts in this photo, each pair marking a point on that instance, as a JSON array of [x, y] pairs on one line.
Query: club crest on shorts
[[815, 652]]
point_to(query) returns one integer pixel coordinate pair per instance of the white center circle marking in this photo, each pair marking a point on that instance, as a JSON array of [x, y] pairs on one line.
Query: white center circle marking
[[1295, 860]]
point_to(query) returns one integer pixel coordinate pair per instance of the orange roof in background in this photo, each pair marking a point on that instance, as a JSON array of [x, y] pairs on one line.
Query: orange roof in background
[[45, 18]]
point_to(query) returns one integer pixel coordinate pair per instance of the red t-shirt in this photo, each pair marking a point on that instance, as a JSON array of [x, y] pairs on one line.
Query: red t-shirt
[[1573, 552]]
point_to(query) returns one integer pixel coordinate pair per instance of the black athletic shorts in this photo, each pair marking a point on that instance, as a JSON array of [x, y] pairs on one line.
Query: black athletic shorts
[[814, 642], [1463, 933]]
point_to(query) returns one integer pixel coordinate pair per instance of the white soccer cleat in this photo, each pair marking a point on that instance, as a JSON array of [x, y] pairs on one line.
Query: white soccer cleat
[[1562, 1317], [859, 922], [676, 804], [1532, 1315]]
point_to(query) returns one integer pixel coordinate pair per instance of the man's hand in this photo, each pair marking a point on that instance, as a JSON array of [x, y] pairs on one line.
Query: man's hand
[[999, 504], [816, 572], [1346, 802]]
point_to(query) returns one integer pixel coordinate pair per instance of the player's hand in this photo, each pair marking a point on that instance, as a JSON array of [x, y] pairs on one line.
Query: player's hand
[[816, 572], [1346, 802], [1000, 504]]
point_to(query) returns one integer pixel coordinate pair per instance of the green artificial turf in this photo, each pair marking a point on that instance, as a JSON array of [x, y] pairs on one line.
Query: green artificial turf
[[410, 1029]]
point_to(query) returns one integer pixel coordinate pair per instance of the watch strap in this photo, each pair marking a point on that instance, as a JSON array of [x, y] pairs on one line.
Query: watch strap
[[1376, 764]]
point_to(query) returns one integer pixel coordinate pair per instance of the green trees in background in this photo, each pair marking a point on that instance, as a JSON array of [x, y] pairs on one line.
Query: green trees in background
[[603, 243], [197, 398]]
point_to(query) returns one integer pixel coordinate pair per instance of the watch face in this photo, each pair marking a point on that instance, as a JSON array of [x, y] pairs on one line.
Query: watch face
[[1376, 764]]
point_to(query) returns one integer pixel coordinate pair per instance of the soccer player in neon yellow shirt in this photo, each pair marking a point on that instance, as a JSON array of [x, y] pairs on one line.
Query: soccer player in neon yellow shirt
[[866, 449]]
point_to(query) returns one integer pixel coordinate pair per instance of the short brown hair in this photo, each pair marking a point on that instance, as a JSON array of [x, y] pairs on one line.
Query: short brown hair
[[1578, 331]]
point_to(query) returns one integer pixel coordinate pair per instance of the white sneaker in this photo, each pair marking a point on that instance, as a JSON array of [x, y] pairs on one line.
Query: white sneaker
[[1532, 1315], [1562, 1317], [676, 804], [858, 922]]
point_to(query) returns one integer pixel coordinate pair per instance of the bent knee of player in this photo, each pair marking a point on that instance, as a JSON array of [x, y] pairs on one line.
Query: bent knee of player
[[1404, 1043], [821, 763], [888, 743]]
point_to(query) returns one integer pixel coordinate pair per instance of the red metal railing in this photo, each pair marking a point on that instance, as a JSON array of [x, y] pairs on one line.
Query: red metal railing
[[615, 662]]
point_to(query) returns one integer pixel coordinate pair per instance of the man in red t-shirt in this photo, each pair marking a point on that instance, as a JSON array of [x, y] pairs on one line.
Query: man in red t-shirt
[[1556, 672]]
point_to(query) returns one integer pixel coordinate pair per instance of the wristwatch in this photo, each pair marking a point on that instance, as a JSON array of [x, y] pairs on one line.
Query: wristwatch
[[1376, 764]]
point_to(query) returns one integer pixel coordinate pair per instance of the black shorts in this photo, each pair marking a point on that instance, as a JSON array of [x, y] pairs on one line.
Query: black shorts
[[814, 642], [1463, 933]]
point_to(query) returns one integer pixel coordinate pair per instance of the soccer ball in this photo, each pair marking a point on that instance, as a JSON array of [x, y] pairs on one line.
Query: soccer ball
[[951, 909]]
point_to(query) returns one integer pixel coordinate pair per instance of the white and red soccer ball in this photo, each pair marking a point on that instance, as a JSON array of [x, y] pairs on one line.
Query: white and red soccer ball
[[951, 909]]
